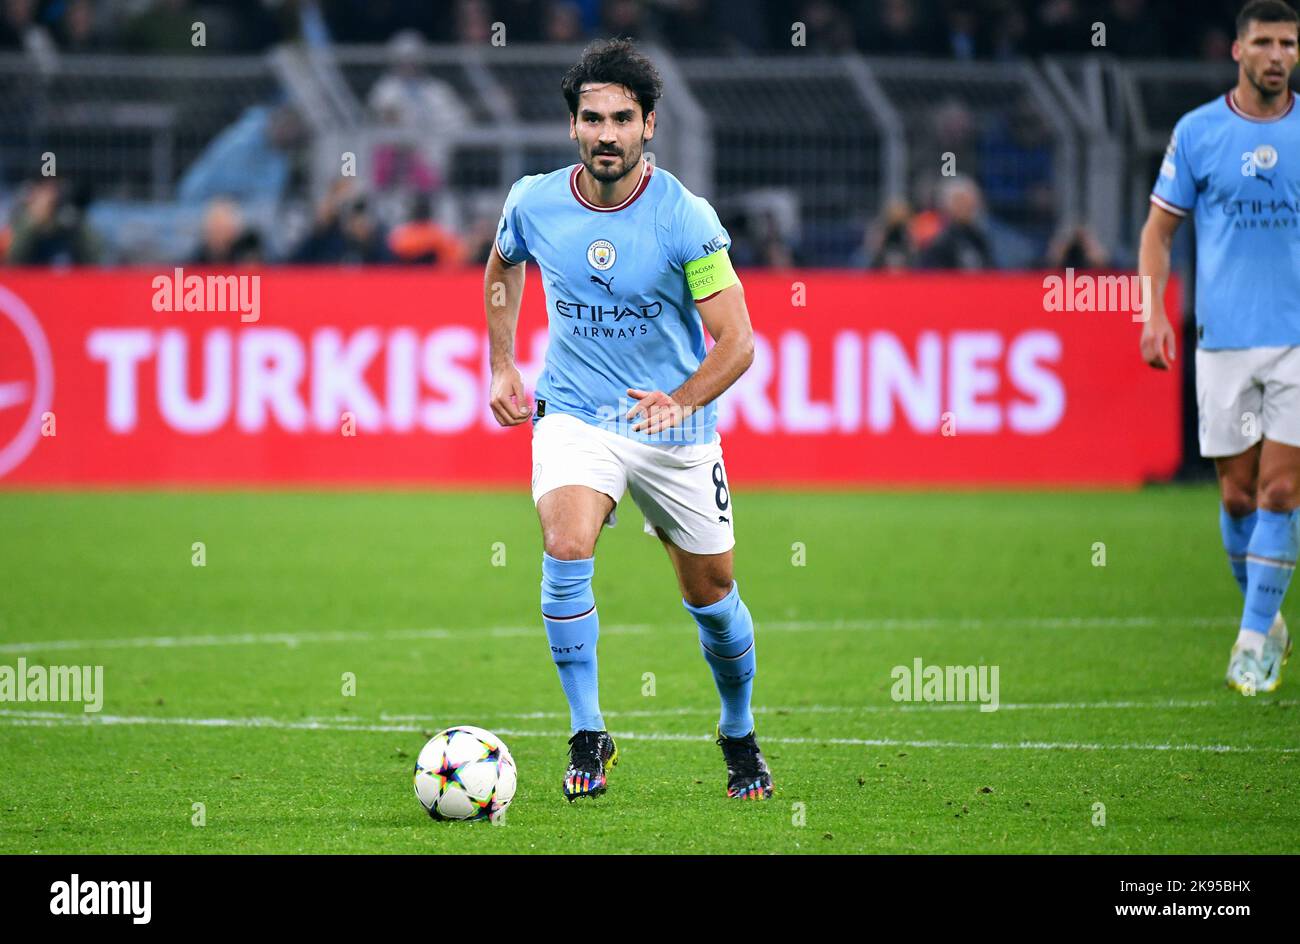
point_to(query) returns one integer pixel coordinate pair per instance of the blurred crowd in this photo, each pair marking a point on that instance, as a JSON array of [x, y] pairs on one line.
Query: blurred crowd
[[955, 233], [245, 198], [48, 227], [954, 29]]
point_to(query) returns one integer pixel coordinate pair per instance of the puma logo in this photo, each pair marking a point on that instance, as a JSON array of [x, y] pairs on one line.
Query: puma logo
[[724, 519], [607, 286]]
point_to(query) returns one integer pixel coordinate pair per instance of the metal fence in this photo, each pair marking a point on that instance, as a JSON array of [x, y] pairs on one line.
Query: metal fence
[[127, 126], [815, 145], [1155, 95]]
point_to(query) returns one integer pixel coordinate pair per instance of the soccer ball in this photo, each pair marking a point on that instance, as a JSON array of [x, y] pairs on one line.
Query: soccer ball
[[465, 773]]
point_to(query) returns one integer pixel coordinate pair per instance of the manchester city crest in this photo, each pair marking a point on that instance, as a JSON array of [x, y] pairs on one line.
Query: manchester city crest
[[601, 254], [1266, 157]]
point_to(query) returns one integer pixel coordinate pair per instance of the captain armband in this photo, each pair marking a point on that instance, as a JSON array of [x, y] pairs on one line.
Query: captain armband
[[710, 275]]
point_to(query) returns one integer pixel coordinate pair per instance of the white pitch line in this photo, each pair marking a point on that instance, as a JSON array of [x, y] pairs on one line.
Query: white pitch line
[[1169, 704], [290, 640], [221, 639], [1011, 622], [63, 719], [55, 719]]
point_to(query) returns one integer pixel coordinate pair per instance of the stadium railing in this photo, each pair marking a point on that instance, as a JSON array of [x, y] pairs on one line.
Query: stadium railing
[[816, 145], [127, 126]]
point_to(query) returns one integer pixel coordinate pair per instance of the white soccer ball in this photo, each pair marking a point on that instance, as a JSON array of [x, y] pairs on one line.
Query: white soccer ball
[[465, 773]]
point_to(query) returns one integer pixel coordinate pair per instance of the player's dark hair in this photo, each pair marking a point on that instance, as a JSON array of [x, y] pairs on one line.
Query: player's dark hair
[[617, 61], [1265, 11]]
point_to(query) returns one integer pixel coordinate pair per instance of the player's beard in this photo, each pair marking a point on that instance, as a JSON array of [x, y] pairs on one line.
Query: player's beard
[[1257, 79], [615, 172]]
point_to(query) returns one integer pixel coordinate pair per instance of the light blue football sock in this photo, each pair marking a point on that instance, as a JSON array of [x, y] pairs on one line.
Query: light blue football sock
[[727, 639], [569, 612], [1270, 561], [1236, 539]]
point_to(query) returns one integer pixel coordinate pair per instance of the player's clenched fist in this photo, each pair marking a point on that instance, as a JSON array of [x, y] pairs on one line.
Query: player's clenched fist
[[1158, 342], [508, 401]]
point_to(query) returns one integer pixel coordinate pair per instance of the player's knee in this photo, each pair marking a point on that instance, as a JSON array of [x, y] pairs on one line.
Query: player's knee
[[707, 591], [1238, 500], [567, 547], [1280, 494]]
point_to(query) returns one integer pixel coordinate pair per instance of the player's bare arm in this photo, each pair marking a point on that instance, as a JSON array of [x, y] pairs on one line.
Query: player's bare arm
[[1158, 343], [503, 292], [727, 318]]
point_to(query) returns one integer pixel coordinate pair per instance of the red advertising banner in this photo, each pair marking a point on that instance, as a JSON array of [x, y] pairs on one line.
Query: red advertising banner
[[379, 376]]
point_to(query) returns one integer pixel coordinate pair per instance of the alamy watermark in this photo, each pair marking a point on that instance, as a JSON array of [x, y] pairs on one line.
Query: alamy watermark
[[77, 897], [689, 427], [181, 292], [946, 683], [39, 683], [1106, 293]]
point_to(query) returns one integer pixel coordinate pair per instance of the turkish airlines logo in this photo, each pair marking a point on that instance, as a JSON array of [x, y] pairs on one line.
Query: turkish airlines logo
[[26, 380]]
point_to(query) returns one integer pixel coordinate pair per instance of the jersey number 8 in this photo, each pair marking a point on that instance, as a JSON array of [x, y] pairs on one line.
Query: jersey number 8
[[720, 494]]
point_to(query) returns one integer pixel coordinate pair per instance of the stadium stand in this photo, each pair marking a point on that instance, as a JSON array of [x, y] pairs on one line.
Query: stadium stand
[[820, 154]]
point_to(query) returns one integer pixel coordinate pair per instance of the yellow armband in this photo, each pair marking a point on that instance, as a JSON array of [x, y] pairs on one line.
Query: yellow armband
[[710, 275]]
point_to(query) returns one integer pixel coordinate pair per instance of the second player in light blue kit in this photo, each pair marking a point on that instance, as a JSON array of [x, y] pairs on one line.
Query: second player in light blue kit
[[635, 268], [1233, 165]]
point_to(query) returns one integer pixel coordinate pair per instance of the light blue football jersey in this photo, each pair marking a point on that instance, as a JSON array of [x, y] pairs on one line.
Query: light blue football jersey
[[619, 310], [1239, 178]]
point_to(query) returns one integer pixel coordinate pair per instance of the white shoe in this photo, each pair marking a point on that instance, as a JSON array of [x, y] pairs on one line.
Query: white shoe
[[1259, 673], [1278, 631]]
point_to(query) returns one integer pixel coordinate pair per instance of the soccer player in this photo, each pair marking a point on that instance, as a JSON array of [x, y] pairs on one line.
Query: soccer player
[[1234, 165], [634, 267]]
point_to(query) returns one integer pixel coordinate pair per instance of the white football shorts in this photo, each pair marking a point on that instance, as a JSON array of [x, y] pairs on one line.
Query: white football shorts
[[1244, 395], [681, 488]]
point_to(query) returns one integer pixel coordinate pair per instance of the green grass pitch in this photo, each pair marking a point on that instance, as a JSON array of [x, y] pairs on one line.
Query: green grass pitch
[[224, 682]]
